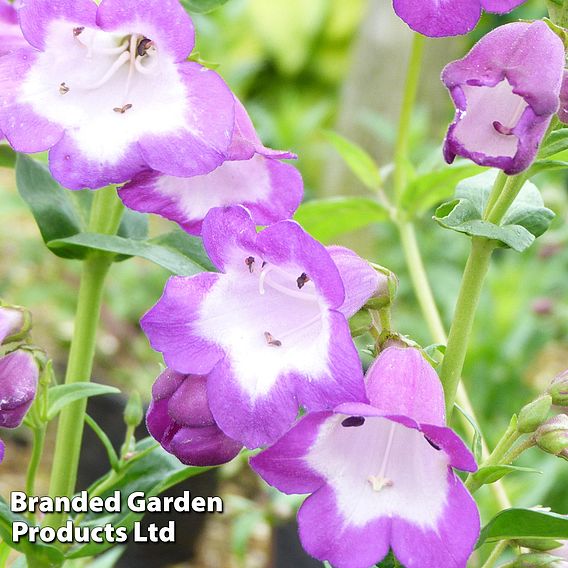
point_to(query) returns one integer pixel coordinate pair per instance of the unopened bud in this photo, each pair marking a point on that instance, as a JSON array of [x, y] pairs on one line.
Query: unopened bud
[[543, 307], [534, 414], [534, 560], [552, 436], [360, 323], [558, 389], [15, 324], [540, 544], [387, 287], [134, 413]]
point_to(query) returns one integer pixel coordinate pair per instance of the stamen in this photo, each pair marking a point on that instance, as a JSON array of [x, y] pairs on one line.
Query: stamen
[[144, 45], [302, 280], [63, 89], [353, 422], [506, 131], [122, 109], [124, 57], [379, 483], [435, 446], [271, 341], [250, 263], [265, 281], [78, 31], [145, 69]]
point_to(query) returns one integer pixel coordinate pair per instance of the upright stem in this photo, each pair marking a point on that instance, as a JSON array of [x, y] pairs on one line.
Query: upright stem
[[408, 101], [37, 451], [105, 218]]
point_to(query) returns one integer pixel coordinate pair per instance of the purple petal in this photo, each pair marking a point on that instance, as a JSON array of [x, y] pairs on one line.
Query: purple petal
[[500, 6], [451, 544], [360, 279], [11, 322], [38, 16], [254, 421], [401, 382], [505, 92], [189, 404], [162, 21], [158, 420], [2, 449], [563, 110], [284, 466], [18, 384], [168, 325], [201, 146], [167, 384], [438, 18]]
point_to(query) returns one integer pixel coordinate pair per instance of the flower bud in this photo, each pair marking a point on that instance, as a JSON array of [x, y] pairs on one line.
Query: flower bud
[[558, 389], [15, 324], [534, 414], [134, 413], [534, 560], [539, 544], [552, 436], [387, 287], [179, 418], [19, 374]]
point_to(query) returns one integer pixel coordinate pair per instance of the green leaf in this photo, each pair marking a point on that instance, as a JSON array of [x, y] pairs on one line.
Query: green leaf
[[428, 189], [477, 442], [105, 441], [50, 204], [524, 523], [61, 395], [360, 323], [163, 255], [7, 156], [526, 220], [153, 474], [326, 219], [547, 166], [555, 143], [44, 555], [358, 160], [493, 473], [202, 6]]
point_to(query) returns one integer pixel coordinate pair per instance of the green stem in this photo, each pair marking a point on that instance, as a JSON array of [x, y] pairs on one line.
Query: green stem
[[498, 187], [408, 101], [515, 453], [460, 332], [495, 554], [37, 451], [105, 219], [507, 195]]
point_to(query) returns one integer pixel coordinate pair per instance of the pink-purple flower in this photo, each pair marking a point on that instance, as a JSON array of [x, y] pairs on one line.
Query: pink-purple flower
[[270, 330], [438, 18], [506, 91], [179, 418], [11, 37], [380, 474], [253, 176], [109, 91]]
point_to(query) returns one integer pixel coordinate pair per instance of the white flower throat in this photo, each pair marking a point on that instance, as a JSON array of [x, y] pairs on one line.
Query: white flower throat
[[136, 52]]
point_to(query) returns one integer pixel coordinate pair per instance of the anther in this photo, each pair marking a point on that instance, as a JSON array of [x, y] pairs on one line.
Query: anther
[[78, 31], [353, 422], [435, 446], [379, 483], [250, 263], [63, 89], [302, 280], [502, 129], [122, 109], [144, 45], [271, 341]]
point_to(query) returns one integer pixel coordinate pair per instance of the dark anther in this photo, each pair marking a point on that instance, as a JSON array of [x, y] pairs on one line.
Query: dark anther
[[432, 444], [271, 341], [502, 129], [302, 280], [353, 422], [78, 31], [63, 89], [250, 263], [123, 109], [144, 45], [264, 263]]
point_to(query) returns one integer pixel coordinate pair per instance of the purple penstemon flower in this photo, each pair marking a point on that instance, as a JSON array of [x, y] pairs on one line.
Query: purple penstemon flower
[[11, 37], [380, 474], [270, 330], [180, 419], [439, 18], [253, 176], [109, 91], [506, 91]]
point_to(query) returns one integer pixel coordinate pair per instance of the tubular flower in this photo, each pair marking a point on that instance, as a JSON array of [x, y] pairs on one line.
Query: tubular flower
[[107, 89], [179, 418], [19, 375], [253, 176], [270, 330], [13, 323], [506, 91], [439, 18], [380, 474]]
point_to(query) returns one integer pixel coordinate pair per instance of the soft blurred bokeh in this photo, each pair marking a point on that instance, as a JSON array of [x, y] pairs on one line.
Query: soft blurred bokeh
[[302, 68]]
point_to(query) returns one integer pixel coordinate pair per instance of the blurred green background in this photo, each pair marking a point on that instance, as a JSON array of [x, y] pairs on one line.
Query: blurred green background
[[302, 68]]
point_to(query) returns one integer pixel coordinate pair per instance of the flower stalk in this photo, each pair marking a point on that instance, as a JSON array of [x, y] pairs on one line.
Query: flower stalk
[[105, 219]]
